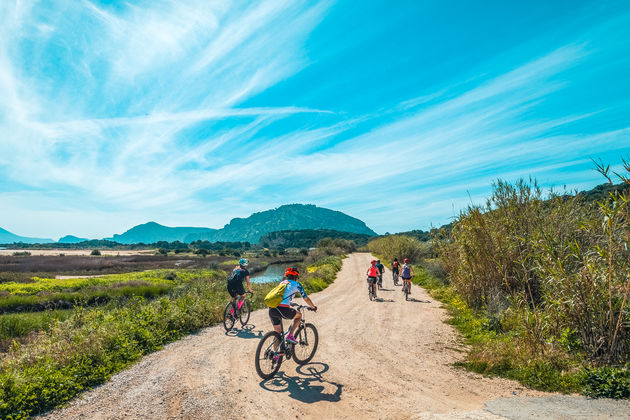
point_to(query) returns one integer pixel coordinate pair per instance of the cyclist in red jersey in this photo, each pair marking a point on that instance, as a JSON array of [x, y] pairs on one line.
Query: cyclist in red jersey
[[372, 273]]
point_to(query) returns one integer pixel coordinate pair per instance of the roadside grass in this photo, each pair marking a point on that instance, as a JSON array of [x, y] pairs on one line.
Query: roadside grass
[[91, 344], [497, 350], [21, 324]]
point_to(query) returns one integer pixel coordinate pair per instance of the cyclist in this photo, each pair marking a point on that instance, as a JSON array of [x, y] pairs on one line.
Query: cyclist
[[407, 274], [381, 270], [235, 282], [284, 309], [395, 268], [372, 273]]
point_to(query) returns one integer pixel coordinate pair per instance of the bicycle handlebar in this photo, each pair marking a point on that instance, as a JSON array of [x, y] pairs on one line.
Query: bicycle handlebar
[[300, 307]]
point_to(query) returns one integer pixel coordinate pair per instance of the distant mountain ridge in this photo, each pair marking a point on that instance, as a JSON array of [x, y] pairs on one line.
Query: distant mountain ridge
[[152, 232], [7, 237], [71, 239]]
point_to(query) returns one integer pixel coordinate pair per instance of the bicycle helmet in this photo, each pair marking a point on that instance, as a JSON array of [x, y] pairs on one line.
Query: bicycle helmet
[[292, 272], [243, 262], [406, 260], [373, 262], [378, 261]]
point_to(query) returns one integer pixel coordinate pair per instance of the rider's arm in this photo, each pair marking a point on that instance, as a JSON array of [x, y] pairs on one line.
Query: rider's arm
[[411, 270], [249, 286], [310, 302]]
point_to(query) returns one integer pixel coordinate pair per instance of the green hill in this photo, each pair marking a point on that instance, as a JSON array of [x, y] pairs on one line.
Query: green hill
[[287, 217]]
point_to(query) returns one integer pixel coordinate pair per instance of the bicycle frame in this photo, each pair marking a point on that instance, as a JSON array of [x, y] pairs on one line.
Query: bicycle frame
[[284, 346]]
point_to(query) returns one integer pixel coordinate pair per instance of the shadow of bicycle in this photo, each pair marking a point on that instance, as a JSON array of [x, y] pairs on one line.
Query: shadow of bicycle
[[247, 331], [418, 300], [309, 387], [378, 299]]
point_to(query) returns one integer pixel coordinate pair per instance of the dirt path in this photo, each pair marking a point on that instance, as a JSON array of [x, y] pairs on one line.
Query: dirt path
[[386, 359]]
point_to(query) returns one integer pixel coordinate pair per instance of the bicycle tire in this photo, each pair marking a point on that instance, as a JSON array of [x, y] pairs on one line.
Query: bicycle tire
[[266, 368], [371, 291], [228, 318], [406, 291], [308, 339], [246, 310]]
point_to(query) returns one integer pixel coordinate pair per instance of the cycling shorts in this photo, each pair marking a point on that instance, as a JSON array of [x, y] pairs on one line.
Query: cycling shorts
[[276, 314], [371, 279], [406, 278], [235, 288]]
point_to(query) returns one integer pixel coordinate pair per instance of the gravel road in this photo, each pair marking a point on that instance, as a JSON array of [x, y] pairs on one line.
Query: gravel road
[[383, 359]]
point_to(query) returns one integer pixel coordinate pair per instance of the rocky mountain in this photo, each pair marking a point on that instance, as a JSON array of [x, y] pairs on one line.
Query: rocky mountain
[[7, 237], [287, 217], [152, 232]]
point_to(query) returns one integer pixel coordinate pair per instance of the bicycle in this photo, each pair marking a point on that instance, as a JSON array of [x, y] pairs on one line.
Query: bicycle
[[371, 291], [395, 277], [406, 288], [274, 345], [231, 312]]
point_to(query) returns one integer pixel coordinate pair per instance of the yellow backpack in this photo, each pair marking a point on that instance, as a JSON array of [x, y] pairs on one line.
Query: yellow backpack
[[275, 295]]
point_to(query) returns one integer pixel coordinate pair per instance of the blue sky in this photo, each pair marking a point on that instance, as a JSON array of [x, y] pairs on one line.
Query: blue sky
[[398, 113]]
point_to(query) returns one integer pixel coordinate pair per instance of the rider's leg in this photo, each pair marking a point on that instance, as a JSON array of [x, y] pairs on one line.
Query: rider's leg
[[296, 322], [241, 298]]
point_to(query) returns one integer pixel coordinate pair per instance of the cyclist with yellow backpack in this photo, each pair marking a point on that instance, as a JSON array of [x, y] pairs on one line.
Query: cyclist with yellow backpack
[[284, 310]]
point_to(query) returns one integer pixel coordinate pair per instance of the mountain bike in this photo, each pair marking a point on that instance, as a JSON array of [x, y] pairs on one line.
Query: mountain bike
[[395, 277], [232, 312], [371, 290], [274, 347], [406, 288]]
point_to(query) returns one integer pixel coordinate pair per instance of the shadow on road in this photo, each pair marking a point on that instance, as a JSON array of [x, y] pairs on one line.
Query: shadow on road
[[308, 387], [418, 300], [378, 299], [247, 331]]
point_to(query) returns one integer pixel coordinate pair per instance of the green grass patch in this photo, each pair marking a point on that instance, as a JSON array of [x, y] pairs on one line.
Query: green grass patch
[[21, 324]]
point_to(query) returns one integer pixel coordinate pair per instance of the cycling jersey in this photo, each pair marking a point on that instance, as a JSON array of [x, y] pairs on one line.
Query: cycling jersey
[[395, 266], [380, 267], [406, 272], [373, 272], [293, 287]]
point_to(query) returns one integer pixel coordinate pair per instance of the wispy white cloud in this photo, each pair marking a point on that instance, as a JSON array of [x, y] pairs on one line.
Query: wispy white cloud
[[152, 108]]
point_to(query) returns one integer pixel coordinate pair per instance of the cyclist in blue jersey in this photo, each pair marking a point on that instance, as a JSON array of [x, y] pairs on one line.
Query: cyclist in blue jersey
[[284, 309], [235, 282], [381, 270]]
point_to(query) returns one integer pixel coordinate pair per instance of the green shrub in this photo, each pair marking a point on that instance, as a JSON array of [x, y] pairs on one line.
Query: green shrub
[[95, 252], [608, 382], [400, 246]]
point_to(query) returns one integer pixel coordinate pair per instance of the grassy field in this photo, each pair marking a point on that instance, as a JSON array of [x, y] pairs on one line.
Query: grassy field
[[50, 356]]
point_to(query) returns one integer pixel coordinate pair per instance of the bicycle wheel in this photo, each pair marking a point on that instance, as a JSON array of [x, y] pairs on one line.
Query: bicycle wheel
[[307, 340], [371, 291], [406, 291], [268, 347], [228, 317], [245, 311]]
